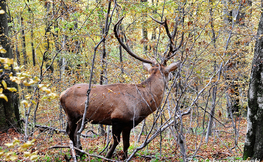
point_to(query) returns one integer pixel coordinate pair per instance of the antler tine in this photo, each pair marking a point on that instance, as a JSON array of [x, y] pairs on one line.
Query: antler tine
[[177, 48], [173, 49], [126, 47], [164, 23], [175, 29], [171, 38]]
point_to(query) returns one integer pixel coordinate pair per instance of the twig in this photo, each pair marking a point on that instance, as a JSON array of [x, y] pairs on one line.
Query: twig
[[90, 131], [107, 24], [43, 128], [2, 75], [81, 151], [148, 156], [105, 148], [223, 143], [159, 130], [72, 151]]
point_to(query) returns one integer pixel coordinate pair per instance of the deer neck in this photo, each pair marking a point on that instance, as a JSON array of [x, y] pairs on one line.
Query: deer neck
[[154, 87]]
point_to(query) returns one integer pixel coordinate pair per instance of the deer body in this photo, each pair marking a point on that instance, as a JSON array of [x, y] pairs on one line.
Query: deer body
[[121, 105], [127, 102]]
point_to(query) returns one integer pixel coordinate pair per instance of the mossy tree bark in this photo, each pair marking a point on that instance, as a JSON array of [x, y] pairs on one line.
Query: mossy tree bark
[[9, 112], [254, 139]]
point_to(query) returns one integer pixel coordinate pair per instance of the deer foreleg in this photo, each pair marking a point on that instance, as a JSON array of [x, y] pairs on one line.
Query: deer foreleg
[[126, 141], [116, 131]]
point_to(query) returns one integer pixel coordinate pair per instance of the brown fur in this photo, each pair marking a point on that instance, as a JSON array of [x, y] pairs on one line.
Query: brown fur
[[121, 105]]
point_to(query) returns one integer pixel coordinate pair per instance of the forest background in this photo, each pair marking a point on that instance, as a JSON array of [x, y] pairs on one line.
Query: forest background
[[204, 113]]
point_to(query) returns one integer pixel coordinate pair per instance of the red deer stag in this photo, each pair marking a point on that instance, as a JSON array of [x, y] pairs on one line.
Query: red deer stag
[[121, 105]]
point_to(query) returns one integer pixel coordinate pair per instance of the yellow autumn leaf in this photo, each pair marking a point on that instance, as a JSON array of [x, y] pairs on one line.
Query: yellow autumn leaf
[[16, 141], [13, 158], [53, 95], [34, 102], [36, 79], [15, 79], [127, 78], [26, 83], [16, 68], [27, 144], [32, 82], [2, 50], [2, 12], [1, 90], [34, 157], [40, 85], [8, 154], [44, 97], [34, 153], [6, 60], [28, 96], [27, 154], [24, 102], [9, 61], [53, 89], [1, 153], [11, 89], [6, 66], [46, 89], [4, 84], [4, 97], [9, 145]]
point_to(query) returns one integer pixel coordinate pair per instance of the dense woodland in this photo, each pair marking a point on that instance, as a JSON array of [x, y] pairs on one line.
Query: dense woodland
[[55, 44]]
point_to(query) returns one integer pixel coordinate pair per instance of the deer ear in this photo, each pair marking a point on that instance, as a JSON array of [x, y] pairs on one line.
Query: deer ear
[[147, 66], [172, 67]]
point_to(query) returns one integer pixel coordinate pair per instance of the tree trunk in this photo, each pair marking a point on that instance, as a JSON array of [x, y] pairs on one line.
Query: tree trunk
[[32, 46], [9, 112], [234, 18], [16, 44], [254, 139], [47, 57], [214, 90], [32, 36], [144, 30], [23, 41], [103, 73]]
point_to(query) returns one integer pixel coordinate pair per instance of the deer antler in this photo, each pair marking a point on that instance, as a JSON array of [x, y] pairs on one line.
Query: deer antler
[[173, 49], [126, 47]]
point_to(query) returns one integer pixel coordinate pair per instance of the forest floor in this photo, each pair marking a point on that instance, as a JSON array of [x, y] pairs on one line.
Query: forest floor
[[221, 146]]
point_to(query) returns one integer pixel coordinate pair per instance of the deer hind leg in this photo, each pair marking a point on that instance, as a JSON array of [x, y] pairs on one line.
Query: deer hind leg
[[71, 127], [78, 144], [116, 131], [75, 126], [126, 141]]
